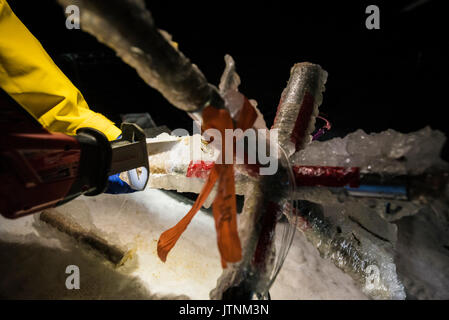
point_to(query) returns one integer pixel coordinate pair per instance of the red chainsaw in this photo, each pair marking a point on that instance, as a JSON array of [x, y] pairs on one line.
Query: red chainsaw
[[40, 169]]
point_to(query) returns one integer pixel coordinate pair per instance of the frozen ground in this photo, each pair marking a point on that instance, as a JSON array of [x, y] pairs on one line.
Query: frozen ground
[[34, 256]]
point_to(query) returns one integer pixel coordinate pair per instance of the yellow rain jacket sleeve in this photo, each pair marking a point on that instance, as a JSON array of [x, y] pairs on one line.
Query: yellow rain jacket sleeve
[[32, 79]]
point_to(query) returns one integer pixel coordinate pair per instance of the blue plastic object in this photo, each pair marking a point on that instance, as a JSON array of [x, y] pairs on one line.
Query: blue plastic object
[[117, 185]]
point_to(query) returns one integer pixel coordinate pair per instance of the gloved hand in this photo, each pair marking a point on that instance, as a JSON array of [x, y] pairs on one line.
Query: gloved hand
[[135, 181], [117, 185]]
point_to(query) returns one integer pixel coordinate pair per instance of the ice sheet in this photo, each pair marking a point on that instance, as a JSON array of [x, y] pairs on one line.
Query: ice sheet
[[385, 152]]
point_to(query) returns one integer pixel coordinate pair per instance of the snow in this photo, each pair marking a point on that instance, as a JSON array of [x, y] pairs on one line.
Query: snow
[[136, 221]]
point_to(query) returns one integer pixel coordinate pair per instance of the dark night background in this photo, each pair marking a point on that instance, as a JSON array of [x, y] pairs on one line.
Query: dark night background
[[395, 77]]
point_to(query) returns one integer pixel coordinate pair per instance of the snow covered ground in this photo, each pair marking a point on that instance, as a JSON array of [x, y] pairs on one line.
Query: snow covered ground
[[34, 256]]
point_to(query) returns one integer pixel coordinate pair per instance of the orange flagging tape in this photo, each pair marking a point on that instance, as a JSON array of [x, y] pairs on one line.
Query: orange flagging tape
[[224, 205], [168, 238]]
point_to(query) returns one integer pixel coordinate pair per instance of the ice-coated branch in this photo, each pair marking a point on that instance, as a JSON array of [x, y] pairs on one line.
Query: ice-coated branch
[[128, 28]]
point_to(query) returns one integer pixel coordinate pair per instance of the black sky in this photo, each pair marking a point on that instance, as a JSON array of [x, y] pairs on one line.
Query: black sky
[[395, 77]]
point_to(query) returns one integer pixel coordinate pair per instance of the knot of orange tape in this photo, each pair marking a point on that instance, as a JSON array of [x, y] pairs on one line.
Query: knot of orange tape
[[224, 205]]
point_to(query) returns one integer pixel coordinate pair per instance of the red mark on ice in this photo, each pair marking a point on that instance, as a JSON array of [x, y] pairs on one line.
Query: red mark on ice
[[199, 169], [327, 176]]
